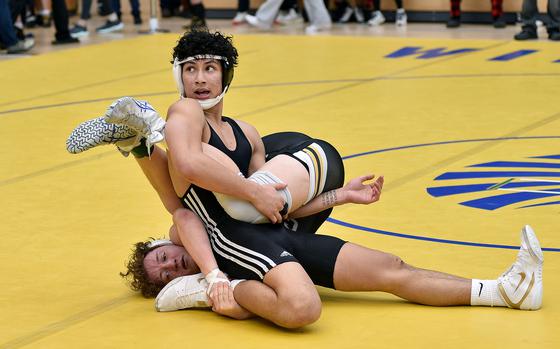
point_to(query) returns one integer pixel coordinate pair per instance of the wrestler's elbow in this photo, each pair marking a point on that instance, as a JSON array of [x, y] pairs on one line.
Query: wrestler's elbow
[[181, 216], [187, 170]]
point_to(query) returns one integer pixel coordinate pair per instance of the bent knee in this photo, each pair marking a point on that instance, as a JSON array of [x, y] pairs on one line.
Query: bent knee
[[298, 310], [301, 312]]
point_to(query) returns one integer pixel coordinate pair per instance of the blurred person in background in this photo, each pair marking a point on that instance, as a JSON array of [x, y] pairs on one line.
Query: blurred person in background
[[377, 17], [529, 14], [497, 14], [111, 25], [8, 37]]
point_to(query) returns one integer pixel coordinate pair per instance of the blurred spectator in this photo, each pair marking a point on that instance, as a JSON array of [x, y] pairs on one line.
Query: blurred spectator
[[377, 17], [497, 14], [288, 13], [345, 9], [242, 11], [111, 25], [529, 13], [169, 8], [60, 18], [198, 18], [134, 10], [319, 18], [8, 36]]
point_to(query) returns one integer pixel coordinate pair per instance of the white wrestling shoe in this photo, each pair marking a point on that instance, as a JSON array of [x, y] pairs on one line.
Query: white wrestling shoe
[[97, 131], [182, 293], [139, 115], [521, 285]]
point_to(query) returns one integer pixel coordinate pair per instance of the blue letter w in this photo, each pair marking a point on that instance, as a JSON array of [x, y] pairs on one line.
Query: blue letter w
[[432, 53]]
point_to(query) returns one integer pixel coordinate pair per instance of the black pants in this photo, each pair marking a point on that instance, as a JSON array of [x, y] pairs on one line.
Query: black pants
[[60, 18]]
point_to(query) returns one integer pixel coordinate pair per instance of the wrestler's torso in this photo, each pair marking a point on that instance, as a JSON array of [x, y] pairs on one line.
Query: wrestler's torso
[[202, 201]]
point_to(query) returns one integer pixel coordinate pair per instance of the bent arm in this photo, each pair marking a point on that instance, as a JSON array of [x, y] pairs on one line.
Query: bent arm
[[184, 130], [189, 232]]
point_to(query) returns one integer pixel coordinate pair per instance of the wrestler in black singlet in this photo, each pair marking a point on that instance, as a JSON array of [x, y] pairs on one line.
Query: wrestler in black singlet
[[249, 251]]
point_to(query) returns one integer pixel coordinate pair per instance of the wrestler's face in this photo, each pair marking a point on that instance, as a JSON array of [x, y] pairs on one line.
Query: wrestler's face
[[202, 78], [168, 262]]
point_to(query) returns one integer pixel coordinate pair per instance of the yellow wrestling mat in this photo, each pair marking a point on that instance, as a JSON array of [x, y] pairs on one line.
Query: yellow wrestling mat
[[441, 119]]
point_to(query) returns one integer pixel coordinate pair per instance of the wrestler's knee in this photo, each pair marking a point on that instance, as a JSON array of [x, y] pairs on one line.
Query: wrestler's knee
[[301, 310], [394, 272]]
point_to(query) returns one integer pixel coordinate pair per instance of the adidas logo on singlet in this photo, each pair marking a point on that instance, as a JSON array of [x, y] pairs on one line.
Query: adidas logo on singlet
[[285, 254]]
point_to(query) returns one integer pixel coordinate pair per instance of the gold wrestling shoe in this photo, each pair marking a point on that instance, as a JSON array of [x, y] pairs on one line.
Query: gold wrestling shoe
[[183, 293], [138, 115], [521, 286]]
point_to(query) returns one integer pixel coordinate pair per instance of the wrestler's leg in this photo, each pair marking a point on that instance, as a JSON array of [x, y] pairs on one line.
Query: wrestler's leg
[[287, 297], [156, 171], [361, 269]]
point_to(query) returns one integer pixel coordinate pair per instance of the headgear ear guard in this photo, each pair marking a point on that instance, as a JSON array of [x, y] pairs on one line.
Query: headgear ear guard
[[227, 77]]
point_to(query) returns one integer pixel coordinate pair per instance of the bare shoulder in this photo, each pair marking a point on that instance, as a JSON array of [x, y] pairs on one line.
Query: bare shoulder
[[185, 107], [249, 130]]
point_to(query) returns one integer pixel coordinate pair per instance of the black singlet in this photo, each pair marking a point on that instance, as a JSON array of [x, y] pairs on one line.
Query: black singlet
[[243, 151]]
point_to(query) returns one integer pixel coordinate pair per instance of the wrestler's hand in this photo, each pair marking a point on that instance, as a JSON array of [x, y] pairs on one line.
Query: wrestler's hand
[[268, 202], [224, 303], [214, 279], [357, 191]]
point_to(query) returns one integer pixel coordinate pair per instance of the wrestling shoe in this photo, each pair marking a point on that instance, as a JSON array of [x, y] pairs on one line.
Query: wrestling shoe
[[521, 285], [97, 131], [138, 115], [182, 293]]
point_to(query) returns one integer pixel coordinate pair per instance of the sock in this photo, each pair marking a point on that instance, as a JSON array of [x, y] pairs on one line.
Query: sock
[[485, 292], [141, 151], [234, 283]]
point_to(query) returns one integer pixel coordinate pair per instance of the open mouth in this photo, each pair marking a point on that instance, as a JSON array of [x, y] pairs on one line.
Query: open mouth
[[202, 94]]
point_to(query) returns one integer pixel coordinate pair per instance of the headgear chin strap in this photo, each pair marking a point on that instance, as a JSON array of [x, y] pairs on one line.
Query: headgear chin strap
[[227, 76], [210, 102]]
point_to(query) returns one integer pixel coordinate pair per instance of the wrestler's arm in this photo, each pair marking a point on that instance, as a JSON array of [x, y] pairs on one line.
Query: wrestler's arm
[[356, 191], [189, 232], [184, 129]]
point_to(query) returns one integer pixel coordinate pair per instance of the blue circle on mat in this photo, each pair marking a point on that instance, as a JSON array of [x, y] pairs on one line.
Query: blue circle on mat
[[425, 238]]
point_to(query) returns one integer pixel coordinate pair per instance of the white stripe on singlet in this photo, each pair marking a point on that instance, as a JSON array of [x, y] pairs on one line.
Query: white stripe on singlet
[[319, 170], [225, 247]]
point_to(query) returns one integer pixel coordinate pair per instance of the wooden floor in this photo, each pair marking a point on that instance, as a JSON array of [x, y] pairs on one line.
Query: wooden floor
[[439, 112], [413, 30]]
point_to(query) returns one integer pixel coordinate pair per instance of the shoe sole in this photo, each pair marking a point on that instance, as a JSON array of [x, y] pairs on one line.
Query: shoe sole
[[530, 238], [535, 251], [79, 35], [110, 30], [170, 284], [375, 24]]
